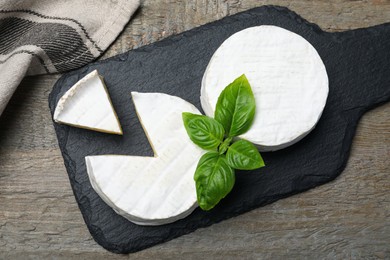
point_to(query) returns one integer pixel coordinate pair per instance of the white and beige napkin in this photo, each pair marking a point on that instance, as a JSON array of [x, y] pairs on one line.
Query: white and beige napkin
[[45, 36]]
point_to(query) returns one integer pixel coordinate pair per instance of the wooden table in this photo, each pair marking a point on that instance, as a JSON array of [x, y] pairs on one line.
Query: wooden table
[[347, 218]]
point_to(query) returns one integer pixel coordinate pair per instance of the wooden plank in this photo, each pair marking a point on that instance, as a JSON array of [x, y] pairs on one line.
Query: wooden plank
[[347, 218]]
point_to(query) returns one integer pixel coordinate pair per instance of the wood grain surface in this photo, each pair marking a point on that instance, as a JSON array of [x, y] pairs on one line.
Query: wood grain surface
[[348, 218]]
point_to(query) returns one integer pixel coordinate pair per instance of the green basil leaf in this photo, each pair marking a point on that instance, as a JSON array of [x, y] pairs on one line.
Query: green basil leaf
[[214, 179], [243, 155], [204, 131], [236, 107]]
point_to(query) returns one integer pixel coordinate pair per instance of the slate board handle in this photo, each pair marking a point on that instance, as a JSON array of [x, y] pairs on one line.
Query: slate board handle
[[363, 61]]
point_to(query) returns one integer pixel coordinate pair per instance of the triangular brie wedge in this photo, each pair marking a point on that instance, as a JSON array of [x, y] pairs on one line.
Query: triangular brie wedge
[[88, 105], [152, 190]]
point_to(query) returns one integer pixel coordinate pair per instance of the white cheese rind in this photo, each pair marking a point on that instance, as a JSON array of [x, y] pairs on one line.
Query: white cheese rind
[[152, 190], [88, 105], [287, 76]]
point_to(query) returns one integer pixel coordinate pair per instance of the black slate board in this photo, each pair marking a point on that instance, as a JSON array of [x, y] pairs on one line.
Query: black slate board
[[358, 66]]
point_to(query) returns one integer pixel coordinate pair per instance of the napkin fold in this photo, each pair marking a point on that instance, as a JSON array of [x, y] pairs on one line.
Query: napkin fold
[[45, 36]]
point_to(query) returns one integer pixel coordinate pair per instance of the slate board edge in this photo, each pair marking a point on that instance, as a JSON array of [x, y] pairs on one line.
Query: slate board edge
[[68, 163]]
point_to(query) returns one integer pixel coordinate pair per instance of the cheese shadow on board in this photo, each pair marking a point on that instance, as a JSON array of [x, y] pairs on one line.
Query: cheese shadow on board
[[358, 67]]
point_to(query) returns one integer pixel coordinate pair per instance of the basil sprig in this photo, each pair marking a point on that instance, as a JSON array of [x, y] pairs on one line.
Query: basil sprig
[[234, 114]]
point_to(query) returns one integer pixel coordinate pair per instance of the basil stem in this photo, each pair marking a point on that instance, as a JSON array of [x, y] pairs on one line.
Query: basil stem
[[225, 145]]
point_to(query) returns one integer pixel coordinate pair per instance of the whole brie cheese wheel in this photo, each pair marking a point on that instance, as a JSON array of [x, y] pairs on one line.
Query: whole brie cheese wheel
[[152, 190], [287, 76], [87, 105]]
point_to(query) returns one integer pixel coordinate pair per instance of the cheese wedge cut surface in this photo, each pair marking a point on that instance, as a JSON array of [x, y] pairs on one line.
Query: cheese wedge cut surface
[[152, 190], [88, 105], [287, 76]]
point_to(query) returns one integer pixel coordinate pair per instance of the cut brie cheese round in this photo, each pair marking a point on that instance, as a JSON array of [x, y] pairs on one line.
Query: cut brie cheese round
[[152, 190], [88, 105], [287, 76]]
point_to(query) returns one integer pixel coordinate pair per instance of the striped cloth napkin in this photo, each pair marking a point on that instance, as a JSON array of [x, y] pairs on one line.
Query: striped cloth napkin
[[45, 36]]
